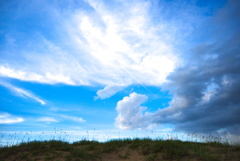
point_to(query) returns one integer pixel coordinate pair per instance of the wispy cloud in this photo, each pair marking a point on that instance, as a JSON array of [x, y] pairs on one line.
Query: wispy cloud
[[160, 43], [6, 118], [22, 92], [47, 119], [72, 118], [99, 46], [108, 91]]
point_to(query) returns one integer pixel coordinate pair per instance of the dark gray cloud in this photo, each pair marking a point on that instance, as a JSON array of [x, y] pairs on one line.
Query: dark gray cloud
[[206, 88]]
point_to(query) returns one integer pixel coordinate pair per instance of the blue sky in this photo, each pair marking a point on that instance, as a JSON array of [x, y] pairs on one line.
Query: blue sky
[[119, 66]]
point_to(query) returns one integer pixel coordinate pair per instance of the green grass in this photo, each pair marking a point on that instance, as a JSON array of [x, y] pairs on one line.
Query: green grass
[[123, 149]]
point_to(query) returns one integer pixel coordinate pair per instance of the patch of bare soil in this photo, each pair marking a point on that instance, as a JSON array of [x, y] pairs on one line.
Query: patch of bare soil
[[123, 154]]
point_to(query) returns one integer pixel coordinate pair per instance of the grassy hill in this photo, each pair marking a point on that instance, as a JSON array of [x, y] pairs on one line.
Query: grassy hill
[[120, 150]]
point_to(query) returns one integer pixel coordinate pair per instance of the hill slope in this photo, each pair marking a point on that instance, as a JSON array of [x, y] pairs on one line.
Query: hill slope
[[120, 150]]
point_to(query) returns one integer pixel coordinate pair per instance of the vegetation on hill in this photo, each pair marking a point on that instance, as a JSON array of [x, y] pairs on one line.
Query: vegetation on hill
[[120, 149]]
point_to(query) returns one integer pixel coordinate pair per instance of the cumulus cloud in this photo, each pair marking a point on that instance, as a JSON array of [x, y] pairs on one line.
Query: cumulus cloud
[[6, 118], [206, 87], [130, 112], [22, 92], [208, 84]]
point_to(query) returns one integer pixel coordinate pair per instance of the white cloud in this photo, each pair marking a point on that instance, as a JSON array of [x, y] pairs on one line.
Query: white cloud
[[6, 118], [131, 114], [22, 92], [34, 76], [99, 47], [108, 91], [56, 109], [47, 119], [77, 119]]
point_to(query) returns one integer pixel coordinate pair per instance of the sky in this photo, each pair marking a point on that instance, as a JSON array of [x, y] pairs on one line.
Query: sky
[[119, 68]]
